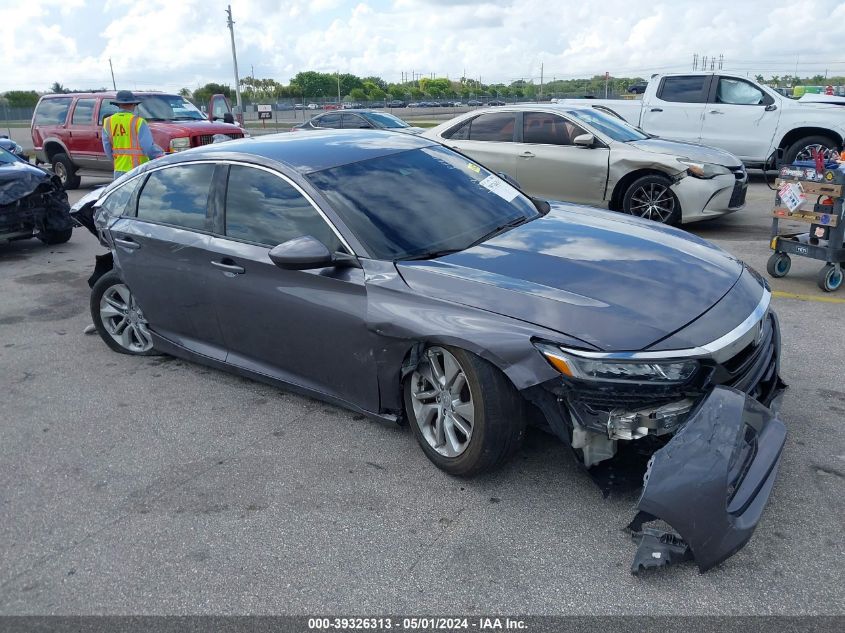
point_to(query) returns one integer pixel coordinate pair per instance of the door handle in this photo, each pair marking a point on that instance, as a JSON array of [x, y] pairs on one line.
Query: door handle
[[527, 154], [127, 242], [229, 266], [716, 112], [657, 110]]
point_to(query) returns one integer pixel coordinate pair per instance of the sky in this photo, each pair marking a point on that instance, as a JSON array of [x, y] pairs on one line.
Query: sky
[[170, 44]]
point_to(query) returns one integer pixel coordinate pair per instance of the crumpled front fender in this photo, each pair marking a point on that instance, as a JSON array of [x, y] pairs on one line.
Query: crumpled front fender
[[710, 483]]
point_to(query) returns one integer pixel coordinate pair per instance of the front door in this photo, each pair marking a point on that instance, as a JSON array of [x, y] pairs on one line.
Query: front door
[[736, 108], [305, 327], [163, 256], [551, 166]]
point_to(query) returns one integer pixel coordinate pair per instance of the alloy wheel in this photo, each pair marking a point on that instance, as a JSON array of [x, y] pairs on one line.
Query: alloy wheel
[[653, 201], [60, 170], [442, 402], [806, 153], [123, 319]]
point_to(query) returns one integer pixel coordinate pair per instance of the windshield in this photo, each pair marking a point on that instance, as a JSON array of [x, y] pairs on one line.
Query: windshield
[[617, 129], [168, 108], [386, 120], [7, 157], [421, 202]]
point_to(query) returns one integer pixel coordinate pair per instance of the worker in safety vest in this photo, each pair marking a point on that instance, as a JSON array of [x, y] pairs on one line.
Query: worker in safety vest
[[127, 139]]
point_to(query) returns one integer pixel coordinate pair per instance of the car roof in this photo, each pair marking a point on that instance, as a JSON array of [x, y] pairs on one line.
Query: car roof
[[306, 153], [107, 94]]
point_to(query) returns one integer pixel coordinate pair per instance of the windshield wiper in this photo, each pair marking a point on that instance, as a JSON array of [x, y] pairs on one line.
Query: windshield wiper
[[433, 254], [500, 229]]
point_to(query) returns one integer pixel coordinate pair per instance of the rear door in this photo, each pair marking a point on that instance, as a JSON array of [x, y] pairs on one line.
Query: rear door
[[305, 327], [84, 134], [332, 120], [489, 139], [738, 120], [551, 166], [162, 254], [676, 111]]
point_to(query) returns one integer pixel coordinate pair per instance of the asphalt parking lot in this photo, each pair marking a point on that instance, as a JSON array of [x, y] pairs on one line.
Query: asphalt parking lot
[[151, 485]]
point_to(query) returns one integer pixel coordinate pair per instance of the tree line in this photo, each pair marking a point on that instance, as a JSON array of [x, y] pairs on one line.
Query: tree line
[[313, 85]]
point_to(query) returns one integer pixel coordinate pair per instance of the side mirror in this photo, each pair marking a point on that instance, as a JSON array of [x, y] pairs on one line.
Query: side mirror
[[584, 140], [511, 181], [228, 117], [771, 107], [308, 253]]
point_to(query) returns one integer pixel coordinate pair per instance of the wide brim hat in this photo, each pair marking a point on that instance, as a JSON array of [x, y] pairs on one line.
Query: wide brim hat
[[125, 97]]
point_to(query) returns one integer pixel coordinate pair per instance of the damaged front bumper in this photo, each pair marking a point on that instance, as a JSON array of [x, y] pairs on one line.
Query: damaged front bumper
[[710, 482]]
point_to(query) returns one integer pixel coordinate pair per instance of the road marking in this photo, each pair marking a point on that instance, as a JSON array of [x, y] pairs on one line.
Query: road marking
[[780, 294]]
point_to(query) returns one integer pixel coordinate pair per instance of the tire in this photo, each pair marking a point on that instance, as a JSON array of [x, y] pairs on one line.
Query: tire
[[778, 265], [118, 319], [55, 237], [651, 198], [830, 278], [65, 170], [799, 150], [482, 391]]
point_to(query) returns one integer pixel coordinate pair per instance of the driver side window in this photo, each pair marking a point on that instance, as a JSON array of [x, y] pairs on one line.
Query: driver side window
[[263, 208]]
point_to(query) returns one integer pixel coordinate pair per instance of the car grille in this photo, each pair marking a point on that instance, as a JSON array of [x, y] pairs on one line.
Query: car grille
[[207, 139], [738, 195], [754, 368]]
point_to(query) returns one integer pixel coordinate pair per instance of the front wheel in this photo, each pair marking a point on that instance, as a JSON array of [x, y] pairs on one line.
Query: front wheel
[[118, 317], [803, 148], [650, 197], [830, 278], [55, 237], [465, 413]]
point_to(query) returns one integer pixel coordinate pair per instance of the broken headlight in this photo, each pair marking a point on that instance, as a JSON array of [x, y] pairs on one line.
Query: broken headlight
[[703, 170], [661, 372]]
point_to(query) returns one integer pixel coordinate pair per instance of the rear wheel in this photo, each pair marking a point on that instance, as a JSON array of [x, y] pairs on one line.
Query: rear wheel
[[118, 317], [464, 412], [55, 237], [651, 198], [66, 171]]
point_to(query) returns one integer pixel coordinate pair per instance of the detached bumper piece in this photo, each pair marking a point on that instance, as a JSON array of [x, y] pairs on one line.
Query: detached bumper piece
[[710, 483]]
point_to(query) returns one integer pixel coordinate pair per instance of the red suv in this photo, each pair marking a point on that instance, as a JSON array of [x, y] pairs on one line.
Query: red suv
[[67, 129]]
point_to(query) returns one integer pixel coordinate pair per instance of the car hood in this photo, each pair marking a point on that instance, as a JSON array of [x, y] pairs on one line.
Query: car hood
[[700, 153], [191, 128], [617, 284], [407, 130], [19, 179]]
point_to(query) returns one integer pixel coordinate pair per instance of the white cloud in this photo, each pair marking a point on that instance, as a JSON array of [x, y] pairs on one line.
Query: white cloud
[[167, 44]]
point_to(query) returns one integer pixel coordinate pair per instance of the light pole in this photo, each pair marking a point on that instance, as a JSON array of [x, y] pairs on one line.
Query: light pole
[[231, 26]]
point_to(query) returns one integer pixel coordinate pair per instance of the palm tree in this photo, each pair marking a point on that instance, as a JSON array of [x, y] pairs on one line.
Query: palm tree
[[58, 88], [185, 92]]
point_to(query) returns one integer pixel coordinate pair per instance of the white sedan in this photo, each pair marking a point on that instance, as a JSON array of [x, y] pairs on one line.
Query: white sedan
[[581, 154]]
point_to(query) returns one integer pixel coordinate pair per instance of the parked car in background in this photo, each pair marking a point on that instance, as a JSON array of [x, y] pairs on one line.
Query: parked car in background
[[67, 128], [496, 102], [474, 103], [33, 203], [333, 106], [393, 276], [11, 146], [580, 154], [396, 103], [298, 106], [732, 113], [313, 106], [357, 120], [638, 88]]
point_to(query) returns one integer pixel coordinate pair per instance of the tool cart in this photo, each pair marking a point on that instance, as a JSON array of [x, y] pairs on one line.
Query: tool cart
[[813, 194]]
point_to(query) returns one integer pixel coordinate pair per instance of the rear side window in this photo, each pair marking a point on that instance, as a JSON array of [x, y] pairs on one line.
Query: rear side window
[[492, 127], [355, 122], [328, 120], [106, 110], [263, 208], [83, 113], [459, 133], [689, 89], [177, 195], [52, 111]]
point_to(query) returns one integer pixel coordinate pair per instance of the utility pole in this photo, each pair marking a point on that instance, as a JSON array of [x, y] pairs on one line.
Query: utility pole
[[338, 87], [231, 26], [541, 81], [114, 85]]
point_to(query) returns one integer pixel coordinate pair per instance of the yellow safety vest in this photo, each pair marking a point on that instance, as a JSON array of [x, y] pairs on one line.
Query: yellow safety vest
[[123, 128]]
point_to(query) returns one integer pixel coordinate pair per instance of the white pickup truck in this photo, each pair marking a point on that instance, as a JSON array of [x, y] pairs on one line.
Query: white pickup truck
[[732, 113]]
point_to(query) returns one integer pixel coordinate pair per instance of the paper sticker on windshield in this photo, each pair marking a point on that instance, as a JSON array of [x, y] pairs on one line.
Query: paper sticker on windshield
[[474, 168], [499, 187]]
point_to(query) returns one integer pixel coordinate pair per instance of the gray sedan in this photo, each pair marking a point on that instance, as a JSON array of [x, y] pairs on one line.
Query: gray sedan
[[393, 276], [592, 157]]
